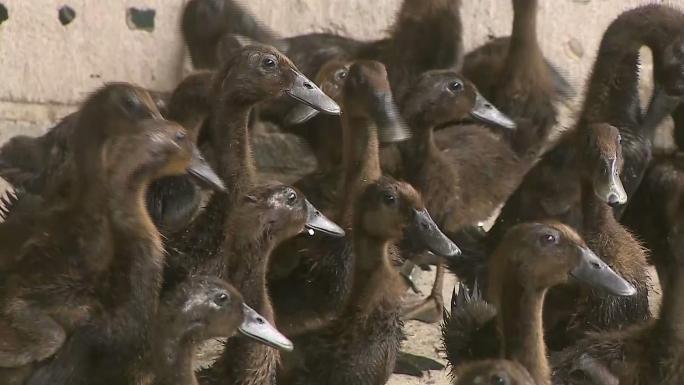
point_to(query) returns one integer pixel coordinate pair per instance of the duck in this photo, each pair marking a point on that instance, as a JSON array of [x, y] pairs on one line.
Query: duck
[[647, 353], [361, 345], [532, 258], [323, 133], [94, 240], [480, 156], [522, 83], [571, 310], [426, 35], [319, 271], [513, 73], [37, 167], [268, 215], [549, 189], [650, 213], [198, 309], [254, 74]]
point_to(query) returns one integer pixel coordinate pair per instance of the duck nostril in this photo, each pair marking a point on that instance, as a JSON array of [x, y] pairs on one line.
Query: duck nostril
[[180, 135], [308, 85], [596, 265], [487, 105], [260, 321]]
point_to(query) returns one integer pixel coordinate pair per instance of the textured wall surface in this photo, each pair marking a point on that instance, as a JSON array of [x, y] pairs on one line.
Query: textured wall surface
[[46, 67]]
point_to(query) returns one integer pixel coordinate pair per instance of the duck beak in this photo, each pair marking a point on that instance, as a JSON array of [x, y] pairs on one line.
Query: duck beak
[[433, 238], [300, 114], [485, 112], [305, 91], [200, 170], [316, 221], [597, 274], [391, 126], [608, 186], [256, 327]]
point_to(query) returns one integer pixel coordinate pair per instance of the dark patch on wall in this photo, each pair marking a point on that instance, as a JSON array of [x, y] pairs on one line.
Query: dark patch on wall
[[4, 15], [141, 19], [66, 15]]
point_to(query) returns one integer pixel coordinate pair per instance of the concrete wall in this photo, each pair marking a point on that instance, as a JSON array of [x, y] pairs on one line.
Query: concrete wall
[[46, 68]]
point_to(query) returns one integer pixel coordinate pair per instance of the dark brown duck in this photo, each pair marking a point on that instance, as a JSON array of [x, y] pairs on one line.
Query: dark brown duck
[[532, 258], [254, 74], [102, 285]]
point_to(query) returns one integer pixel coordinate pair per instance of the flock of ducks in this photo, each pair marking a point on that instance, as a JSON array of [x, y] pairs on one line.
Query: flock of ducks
[[139, 226]]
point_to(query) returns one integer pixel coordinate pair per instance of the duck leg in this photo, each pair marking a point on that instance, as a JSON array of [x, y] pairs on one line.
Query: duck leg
[[27, 335], [431, 309]]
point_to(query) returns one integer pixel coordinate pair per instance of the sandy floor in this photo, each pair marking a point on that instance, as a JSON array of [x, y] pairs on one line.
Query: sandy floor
[[424, 339]]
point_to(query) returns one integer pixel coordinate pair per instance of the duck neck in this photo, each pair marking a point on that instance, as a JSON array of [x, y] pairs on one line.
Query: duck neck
[[246, 267], [361, 161], [612, 95], [524, 34], [231, 146], [597, 216], [374, 276], [521, 323], [173, 360], [139, 253]]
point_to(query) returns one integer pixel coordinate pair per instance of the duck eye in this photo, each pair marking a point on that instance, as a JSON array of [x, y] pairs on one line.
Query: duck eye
[[291, 198], [221, 298], [497, 380], [548, 239], [180, 135], [268, 62], [341, 74], [389, 199], [455, 86]]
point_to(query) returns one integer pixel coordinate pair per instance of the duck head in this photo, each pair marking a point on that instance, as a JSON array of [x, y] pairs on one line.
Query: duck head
[[283, 212], [206, 307], [367, 96], [541, 255], [492, 372], [388, 208], [132, 139], [602, 155], [330, 79], [189, 103], [442, 98], [258, 72]]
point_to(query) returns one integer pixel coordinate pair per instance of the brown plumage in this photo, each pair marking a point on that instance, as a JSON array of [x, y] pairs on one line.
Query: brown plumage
[[198, 309], [494, 372], [267, 216], [650, 353], [360, 346], [532, 258], [315, 291], [104, 254], [252, 75]]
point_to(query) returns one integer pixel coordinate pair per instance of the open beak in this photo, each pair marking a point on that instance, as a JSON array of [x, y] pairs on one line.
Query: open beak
[[299, 114], [485, 112], [305, 91], [200, 170], [316, 221], [597, 274], [608, 186], [433, 238], [256, 327], [391, 126]]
